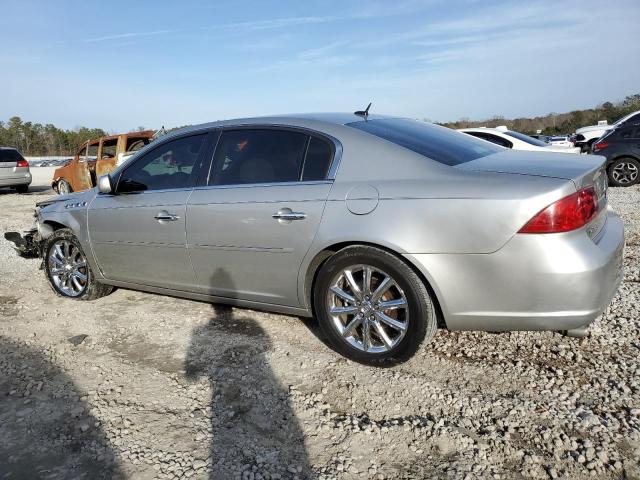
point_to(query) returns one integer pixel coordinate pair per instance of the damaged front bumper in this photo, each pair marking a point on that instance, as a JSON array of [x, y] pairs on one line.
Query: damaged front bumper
[[28, 245]]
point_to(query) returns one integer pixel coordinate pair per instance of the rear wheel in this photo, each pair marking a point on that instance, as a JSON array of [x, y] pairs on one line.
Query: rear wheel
[[67, 269], [64, 187], [22, 188], [372, 307], [624, 172]]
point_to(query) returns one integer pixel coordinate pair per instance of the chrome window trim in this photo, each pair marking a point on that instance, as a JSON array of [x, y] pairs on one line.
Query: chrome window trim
[[265, 184], [147, 192]]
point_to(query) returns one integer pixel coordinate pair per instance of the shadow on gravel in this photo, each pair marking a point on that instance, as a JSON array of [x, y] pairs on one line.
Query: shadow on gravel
[[45, 429], [254, 428], [33, 190]]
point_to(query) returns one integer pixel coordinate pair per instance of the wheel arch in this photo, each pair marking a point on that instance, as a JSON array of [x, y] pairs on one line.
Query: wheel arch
[[49, 226], [323, 255]]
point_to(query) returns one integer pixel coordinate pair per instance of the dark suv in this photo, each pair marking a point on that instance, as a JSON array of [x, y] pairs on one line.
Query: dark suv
[[621, 146]]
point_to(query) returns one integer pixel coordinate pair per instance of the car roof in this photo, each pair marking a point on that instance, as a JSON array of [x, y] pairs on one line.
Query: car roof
[[293, 119]]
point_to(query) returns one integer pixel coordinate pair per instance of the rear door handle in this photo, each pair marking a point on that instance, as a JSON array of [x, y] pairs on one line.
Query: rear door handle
[[165, 216], [286, 214]]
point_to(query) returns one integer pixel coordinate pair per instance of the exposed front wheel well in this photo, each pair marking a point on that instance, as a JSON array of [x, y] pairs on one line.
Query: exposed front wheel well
[[49, 226], [324, 255]]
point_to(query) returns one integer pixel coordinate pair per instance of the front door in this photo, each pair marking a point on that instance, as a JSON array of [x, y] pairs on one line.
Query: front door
[[138, 233], [250, 227]]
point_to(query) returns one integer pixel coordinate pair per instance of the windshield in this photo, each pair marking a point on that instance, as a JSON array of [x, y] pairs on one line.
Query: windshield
[[526, 139], [437, 143]]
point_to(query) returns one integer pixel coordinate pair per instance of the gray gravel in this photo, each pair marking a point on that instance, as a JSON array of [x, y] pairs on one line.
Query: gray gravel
[[142, 386]]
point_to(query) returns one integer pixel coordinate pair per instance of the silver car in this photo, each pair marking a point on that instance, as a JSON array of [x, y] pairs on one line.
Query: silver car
[[382, 228], [14, 170]]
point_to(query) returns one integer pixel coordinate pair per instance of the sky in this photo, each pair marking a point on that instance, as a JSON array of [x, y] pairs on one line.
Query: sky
[[119, 65]]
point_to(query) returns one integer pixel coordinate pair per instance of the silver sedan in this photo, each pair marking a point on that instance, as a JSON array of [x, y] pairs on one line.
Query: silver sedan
[[382, 228]]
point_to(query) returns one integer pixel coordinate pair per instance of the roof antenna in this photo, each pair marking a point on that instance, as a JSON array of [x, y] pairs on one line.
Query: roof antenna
[[363, 113]]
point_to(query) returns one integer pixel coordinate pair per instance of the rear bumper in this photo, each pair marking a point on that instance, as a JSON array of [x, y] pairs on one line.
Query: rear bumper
[[15, 179], [535, 282]]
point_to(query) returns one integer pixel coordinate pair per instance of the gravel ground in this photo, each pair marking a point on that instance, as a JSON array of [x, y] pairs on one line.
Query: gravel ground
[[142, 386]]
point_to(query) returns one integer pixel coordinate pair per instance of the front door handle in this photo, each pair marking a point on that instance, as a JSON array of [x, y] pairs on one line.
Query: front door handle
[[165, 216], [285, 214]]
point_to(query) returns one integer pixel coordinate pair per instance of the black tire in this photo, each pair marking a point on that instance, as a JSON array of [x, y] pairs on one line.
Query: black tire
[[620, 163], [22, 188], [65, 185], [92, 289], [421, 323]]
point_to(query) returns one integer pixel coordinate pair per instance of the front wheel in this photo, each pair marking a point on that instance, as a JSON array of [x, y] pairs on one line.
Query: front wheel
[[64, 187], [372, 307], [67, 269], [22, 188], [624, 172]]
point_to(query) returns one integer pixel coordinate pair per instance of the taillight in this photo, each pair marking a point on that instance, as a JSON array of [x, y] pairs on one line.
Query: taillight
[[22, 163], [600, 146], [568, 213]]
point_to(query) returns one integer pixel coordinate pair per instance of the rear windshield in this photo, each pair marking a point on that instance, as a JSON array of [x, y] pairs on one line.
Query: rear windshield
[[527, 139], [10, 155], [437, 143]]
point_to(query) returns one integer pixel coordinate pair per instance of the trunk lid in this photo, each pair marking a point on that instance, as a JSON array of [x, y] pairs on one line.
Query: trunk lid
[[583, 170]]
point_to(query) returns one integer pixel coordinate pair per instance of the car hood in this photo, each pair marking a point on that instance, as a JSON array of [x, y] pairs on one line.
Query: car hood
[[75, 197], [579, 168]]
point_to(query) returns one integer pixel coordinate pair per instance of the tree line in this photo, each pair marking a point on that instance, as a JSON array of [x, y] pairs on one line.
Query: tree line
[[35, 139], [558, 123]]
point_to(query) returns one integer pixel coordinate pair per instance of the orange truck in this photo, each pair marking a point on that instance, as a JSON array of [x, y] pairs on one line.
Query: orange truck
[[97, 157]]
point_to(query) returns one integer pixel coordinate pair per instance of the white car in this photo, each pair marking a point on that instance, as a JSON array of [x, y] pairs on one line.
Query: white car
[[561, 141], [515, 140], [586, 136]]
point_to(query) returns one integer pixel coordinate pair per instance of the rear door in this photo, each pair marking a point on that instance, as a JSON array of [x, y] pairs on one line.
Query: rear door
[[251, 225], [138, 233]]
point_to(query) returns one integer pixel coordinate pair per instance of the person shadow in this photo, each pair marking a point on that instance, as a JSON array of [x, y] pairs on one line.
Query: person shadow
[[46, 430], [254, 431]]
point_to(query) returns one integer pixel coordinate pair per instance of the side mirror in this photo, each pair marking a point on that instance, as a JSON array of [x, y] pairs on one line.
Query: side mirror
[[104, 184]]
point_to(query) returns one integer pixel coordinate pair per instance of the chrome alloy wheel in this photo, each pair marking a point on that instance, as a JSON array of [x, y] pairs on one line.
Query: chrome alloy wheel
[[368, 308], [68, 268], [63, 188], [625, 173]]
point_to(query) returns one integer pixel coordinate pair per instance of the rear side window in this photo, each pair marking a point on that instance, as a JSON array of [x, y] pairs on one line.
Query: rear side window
[[503, 142], [526, 139], [437, 143], [134, 144], [258, 156], [630, 133], [317, 161], [10, 155]]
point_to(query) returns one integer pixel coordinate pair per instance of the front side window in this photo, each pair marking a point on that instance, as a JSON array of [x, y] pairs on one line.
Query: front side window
[[169, 166], [92, 151], [258, 156], [432, 141]]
